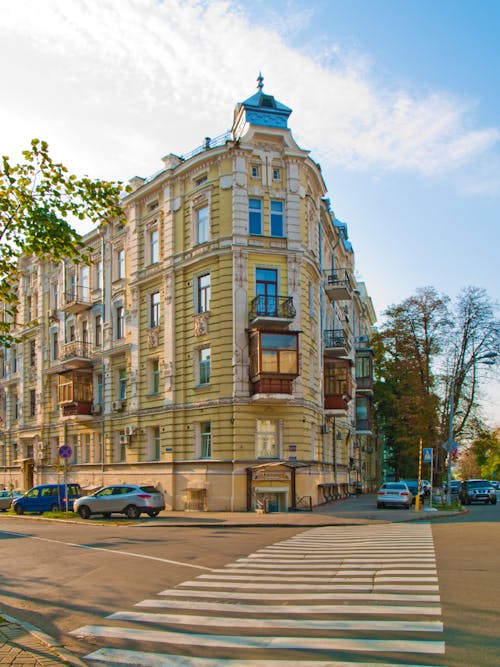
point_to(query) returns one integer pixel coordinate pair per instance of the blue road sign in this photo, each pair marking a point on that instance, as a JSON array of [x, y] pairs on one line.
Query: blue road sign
[[65, 452], [427, 454]]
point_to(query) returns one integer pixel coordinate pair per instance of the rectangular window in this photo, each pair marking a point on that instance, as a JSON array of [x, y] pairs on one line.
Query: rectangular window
[[154, 376], [98, 274], [55, 345], [120, 322], [203, 304], [277, 228], [276, 175], [266, 289], [84, 284], [154, 309], [205, 440], [98, 330], [255, 216], [155, 444], [120, 264], [202, 224], [267, 445], [154, 247], [122, 384], [279, 353], [32, 354], [204, 365], [255, 171], [32, 402]]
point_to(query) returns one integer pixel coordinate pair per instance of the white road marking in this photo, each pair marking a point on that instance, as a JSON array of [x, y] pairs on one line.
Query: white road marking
[[140, 659], [293, 596], [342, 609], [257, 623], [274, 643]]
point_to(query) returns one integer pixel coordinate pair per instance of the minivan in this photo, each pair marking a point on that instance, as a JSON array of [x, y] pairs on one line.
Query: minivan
[[47, 498]]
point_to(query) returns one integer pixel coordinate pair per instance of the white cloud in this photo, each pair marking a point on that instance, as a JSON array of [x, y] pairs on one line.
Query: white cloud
[[115, 85]]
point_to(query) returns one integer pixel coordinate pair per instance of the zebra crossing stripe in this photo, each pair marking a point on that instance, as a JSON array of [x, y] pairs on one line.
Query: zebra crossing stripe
[[274, 643], [223, 621], [141, 659], [302, 587], [343, 609]]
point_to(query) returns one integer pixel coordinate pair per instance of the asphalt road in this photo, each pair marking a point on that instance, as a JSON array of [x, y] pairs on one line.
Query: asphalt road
[[63, 576]]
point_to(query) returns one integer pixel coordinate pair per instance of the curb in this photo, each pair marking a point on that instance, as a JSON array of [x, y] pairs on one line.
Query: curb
[[46, 639]]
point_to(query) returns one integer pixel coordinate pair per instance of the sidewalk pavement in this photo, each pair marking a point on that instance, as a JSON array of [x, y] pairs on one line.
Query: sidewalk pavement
[[24, 645]]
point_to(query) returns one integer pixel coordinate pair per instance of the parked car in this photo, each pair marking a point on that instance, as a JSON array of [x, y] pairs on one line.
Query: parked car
[[495, 484], [47, 498], [129, 499], [455, 485], [477, 490], [6, 498], [412, 484], [394, 493]]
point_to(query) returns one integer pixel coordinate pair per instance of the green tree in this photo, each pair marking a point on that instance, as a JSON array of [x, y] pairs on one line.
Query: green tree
[[486, 450], [406, 401], [39, 199]]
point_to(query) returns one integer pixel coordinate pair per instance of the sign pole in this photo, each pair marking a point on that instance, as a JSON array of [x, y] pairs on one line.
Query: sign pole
[[417, 499]]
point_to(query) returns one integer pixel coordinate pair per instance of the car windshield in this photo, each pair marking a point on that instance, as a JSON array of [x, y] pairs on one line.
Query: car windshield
[[149, 489], [476, 483]]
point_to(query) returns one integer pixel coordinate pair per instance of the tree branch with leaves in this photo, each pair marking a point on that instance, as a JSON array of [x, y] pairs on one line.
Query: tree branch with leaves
[[39, 200]]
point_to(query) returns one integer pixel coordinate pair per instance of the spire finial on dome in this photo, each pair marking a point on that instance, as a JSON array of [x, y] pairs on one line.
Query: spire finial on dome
[[260, 81]]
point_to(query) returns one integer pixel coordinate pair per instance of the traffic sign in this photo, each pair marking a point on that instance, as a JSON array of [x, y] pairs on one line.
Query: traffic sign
[[450, 445], [65, 452], [427, 454]]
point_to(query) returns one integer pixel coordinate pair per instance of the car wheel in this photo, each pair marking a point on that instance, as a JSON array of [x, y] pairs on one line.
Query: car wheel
[[380, 505], [84, 511], [493, 501], [153, 513], [106, 515], [407, 506], [18, 509], [54, 508], [132, 512]]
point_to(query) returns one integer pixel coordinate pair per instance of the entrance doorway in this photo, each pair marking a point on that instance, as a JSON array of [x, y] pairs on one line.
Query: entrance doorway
[[272, 501]]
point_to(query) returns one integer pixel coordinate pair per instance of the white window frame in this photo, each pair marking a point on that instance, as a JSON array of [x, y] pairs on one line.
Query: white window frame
[[202, 226], [277, 215], [200, 368], [254, 210], [120, 264], [154, 309], [203, 440], [203, 294], [153, 246]]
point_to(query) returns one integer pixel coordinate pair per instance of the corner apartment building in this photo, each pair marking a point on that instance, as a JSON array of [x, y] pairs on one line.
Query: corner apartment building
[[217, 345]]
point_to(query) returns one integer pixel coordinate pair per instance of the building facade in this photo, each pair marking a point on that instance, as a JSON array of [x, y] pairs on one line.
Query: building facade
[[217, 345]]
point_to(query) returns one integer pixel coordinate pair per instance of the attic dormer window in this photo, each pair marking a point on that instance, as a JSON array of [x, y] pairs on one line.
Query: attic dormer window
[[268, 101], [201, 179]]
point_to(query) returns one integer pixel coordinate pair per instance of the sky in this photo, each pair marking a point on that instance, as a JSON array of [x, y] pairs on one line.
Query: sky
[[398, 100]]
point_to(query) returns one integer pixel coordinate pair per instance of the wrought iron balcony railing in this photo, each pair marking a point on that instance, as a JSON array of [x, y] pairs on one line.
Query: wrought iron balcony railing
[[279, 307]]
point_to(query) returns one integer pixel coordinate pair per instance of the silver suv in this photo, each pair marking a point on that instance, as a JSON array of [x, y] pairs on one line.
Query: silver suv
[[129, 499], [477, 490]]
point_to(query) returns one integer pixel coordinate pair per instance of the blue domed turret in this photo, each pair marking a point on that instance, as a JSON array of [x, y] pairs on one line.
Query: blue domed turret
[[260, 109]]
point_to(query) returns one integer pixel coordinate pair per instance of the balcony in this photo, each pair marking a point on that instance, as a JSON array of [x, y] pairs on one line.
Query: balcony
[[336, 405], [364, 385], [75, 394], [75, 354], [338, 285], [272, 311], [272, 390], [77, 299], [364, 426], [336, 343]]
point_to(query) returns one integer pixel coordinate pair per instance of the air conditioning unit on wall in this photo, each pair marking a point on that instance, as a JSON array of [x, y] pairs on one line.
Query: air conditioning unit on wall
[[123, 439], [130, 430], [117, 406]]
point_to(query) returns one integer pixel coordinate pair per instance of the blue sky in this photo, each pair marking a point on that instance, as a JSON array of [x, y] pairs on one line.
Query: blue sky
[[397, 99]]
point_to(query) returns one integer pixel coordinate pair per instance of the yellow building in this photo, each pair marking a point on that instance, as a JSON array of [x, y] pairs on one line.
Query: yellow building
[[216, 346]]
